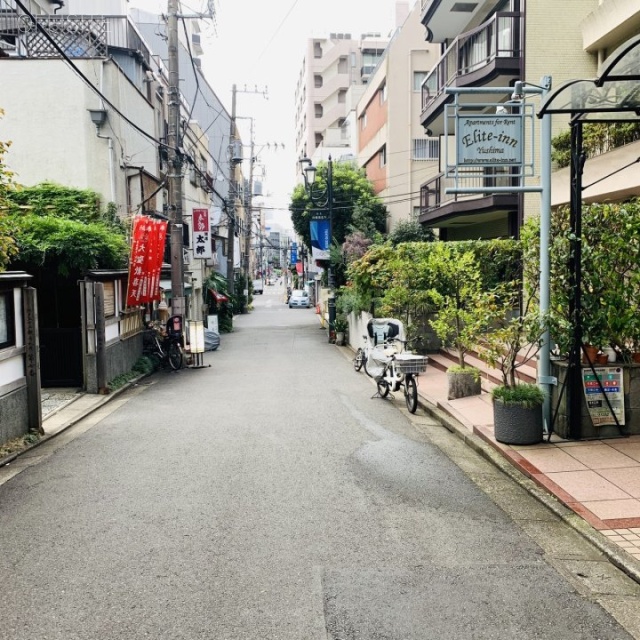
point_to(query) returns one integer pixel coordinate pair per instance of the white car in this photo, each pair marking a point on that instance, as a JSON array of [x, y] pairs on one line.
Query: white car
[[299, 298]]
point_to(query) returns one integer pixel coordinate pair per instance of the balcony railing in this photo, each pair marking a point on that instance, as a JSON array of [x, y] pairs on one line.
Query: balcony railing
[[500, 37], [76, 36], [432, 193]]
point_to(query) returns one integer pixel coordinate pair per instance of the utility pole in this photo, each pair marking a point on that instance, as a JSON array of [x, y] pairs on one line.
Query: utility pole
[[231, 199], [175, 166]]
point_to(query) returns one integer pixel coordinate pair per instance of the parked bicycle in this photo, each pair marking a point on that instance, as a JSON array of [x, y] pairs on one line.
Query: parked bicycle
[[384, 359], [164, 346]]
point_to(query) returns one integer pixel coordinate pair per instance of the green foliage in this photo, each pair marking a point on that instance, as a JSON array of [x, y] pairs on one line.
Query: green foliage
[[525, 394], [397, 281], [466, 370], [355, 208], [598, 137], [455, 293], [63, 229], [610, 277], [217, 282], [7, 245], [410, 231], [341, 324]]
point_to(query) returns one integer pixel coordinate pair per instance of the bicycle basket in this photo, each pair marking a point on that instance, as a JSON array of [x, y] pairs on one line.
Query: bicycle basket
[[410, 363]]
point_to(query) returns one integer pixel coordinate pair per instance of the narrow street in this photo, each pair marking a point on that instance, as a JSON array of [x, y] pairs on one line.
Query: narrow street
[[269, 497]]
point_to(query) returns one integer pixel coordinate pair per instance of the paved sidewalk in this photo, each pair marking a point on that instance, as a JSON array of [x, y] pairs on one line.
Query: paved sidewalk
[[598, 480]]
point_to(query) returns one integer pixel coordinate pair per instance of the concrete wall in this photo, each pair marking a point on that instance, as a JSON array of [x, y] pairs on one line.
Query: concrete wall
[[121, 356], [14, 417]]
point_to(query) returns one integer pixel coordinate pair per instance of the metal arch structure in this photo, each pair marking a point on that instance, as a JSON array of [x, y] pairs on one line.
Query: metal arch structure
[[613, 96]]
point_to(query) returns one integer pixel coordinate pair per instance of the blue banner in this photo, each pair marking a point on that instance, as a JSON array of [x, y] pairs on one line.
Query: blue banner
[[294, 253], [320, 239]]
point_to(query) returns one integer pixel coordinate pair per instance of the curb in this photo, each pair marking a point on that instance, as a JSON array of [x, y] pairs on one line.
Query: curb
[[46, 437], [613, 553]]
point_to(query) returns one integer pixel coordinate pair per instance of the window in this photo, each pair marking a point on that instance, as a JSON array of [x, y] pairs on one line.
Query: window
[[343, 66], [319, 140], [7, 320], [383, 93], [383, 156], [363, 121], [426, 149], [319, 111], [418, 79], [317, 50], [342, 96], [317, 80]]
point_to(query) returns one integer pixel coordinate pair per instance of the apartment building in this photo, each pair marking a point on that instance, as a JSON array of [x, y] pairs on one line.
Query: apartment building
[[493, 43], [330, 68], [394, 150]]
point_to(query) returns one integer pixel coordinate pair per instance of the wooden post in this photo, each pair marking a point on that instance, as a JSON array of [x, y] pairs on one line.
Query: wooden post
[[32, 358], [101, 350]]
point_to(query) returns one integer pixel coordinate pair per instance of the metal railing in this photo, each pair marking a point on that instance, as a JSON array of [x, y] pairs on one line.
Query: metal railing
[[432, 193], [77, 36], [500, 37], [426, 149]]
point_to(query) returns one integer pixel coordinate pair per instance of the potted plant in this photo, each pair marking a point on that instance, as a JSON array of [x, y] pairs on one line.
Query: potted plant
[[514, 340], [341, 326]]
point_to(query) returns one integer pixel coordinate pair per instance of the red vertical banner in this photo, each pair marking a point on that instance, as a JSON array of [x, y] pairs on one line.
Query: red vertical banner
[[147, 249]]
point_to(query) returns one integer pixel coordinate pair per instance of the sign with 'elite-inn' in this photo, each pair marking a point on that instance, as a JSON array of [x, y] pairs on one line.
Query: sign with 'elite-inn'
[[494, 140]]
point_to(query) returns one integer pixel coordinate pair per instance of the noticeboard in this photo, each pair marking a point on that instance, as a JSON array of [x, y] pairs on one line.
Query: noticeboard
[[612, 380]]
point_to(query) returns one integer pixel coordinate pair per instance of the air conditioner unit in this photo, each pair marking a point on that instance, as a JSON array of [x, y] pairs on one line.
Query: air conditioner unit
[[193, 176]]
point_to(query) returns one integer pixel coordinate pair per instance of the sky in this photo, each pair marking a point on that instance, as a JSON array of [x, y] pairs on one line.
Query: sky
[[260, 44]]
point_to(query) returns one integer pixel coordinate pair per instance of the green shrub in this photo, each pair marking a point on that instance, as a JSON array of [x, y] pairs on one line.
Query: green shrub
[[526, 394]]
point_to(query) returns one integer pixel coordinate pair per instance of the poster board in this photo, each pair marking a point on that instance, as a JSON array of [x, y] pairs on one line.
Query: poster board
[[612, 379]]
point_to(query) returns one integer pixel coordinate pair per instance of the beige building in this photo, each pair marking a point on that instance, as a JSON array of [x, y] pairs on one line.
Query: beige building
[[494, 44], [331, 66], [393, 148]]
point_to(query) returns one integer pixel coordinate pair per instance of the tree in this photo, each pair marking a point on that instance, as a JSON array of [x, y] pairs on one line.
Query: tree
[[7, 244], [355, 205], [410, 231]]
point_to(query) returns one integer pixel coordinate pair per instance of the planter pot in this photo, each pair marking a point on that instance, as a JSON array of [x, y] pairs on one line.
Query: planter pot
[[611, 354], [339, 338], [602, 359], [591, 352], [517, 424], [463, 384], [635, 357]]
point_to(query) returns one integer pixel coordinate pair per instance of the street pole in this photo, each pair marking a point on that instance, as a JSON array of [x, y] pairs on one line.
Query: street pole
[[231, 199], [331, 303], [175, 165], [249, 204]]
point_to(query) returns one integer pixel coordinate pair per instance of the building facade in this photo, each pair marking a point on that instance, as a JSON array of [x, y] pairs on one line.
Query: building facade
[[394, 150], [330, 68], [494, 44]]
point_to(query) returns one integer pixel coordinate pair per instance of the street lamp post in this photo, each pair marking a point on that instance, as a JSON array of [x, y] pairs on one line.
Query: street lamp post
[[324, 199]]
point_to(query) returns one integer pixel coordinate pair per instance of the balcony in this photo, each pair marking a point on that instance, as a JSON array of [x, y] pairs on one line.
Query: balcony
[[438, 209], [77, 36], [489, 55]]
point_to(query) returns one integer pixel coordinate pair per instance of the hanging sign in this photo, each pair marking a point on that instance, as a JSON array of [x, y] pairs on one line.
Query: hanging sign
[[495, 140], [612, 382], [320, 239], [147, 250], [294, 252], [201, 234]]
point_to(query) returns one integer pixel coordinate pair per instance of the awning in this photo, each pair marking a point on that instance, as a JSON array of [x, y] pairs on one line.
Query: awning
[[165, 285], [218, 297]]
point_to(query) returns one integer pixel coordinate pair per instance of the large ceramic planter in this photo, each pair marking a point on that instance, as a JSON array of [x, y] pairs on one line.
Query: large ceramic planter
[[463, 384], [517, 424]]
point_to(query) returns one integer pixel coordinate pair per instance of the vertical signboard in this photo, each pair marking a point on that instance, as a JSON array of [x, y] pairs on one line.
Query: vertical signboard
[[147, 250], [294, 253], [320, 238], [201, 234], [612, 381]]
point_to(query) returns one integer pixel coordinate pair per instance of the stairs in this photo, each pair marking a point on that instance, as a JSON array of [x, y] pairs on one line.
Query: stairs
[[489, 377]]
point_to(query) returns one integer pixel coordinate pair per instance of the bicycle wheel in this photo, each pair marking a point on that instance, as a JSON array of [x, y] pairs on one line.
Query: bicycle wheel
[[358, 361], [174, 354], [383, 387], [411, 393]]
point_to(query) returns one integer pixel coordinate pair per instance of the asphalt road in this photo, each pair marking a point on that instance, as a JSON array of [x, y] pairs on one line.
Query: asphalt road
[[269, 497]]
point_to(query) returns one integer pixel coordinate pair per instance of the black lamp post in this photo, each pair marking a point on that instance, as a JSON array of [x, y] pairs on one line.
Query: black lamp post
[[323, 198]]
